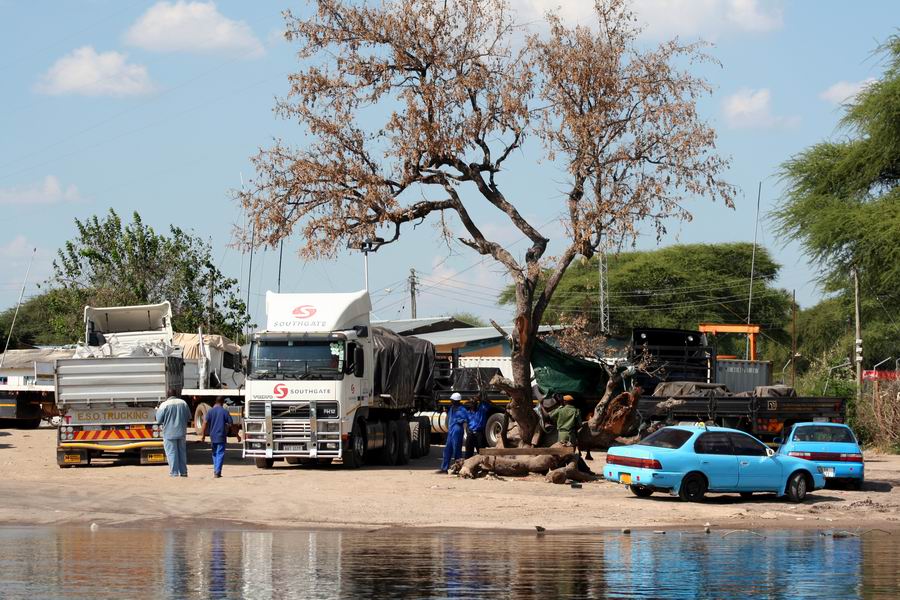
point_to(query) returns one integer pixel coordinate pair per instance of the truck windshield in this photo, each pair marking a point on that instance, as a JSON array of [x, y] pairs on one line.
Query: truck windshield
[[296, 359]]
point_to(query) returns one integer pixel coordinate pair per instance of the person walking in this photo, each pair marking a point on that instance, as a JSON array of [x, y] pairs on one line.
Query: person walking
[[477, 414], [457, 419], [173, 417], [567, 418], [217, 424]]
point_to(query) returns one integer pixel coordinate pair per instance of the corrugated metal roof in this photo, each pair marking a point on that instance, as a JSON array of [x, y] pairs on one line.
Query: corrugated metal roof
[[426, 324], [470, 334], [25, 359]]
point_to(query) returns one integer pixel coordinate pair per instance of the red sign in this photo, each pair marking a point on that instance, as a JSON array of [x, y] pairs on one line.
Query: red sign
[[280, 391], [880, 376], [304, 311]]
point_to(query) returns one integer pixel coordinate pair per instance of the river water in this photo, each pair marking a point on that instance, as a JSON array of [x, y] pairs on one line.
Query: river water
[[40, 563]]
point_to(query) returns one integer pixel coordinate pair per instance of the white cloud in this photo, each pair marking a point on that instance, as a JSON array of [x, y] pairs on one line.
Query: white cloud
[[48, 191], [192, 27], [89, 73], [749, 108], [707, 19], [844, 92], [16, 248]]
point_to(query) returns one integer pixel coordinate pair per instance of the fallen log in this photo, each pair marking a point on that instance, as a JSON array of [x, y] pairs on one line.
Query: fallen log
[[569, 472], [506, 466]]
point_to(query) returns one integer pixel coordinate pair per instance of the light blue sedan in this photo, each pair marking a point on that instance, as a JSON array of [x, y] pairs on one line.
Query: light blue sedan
[[832, 446], [690, 461]]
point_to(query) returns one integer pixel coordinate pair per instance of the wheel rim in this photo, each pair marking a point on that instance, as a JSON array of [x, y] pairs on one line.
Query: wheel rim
[[359, 445], [801, 487]]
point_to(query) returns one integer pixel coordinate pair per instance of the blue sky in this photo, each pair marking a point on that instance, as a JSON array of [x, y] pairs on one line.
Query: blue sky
[[156, 107]]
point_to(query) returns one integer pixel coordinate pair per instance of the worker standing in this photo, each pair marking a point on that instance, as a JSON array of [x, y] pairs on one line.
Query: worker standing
[[457, 420], [217, 424], [567, 419], [477, 414], [173, 417]]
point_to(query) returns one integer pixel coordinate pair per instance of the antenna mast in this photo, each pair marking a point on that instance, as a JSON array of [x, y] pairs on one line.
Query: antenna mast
[[603, 274]]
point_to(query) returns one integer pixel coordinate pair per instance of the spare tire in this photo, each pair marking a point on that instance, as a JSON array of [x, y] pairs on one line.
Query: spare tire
[[200, 417]]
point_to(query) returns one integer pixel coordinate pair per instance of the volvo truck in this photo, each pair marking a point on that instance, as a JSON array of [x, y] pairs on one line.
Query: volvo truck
[[323, 384]]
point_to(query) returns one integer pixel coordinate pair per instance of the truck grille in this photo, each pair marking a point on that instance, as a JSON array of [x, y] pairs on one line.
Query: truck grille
[[257, 410]]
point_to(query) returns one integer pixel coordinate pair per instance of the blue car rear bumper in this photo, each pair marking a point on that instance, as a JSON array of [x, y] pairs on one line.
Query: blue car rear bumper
[[658, 480]]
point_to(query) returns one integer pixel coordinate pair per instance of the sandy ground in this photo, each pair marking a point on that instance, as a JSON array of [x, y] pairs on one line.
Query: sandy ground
[[35, 491]]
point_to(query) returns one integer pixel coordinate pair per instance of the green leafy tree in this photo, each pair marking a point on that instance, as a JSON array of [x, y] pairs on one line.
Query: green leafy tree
[[470, 318], [43, 320], [111, 263], [842, 204], [680, 287]]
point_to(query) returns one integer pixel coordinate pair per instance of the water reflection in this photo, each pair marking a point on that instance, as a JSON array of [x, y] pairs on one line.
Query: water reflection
[[221, 564]]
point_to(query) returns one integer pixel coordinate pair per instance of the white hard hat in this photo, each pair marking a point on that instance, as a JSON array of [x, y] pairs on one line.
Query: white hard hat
[[456, 397]]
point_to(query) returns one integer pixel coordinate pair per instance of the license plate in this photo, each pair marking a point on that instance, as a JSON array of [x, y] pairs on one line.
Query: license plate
[[828, 472], [156, 458], [625, 478], [294, 448], [72, 458]]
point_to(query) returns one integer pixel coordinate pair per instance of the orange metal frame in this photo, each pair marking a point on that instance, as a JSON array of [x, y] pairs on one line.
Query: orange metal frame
[[751, 332]]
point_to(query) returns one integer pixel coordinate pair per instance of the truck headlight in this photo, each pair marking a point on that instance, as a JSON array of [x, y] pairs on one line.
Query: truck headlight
[[254, 427], [330, 427]]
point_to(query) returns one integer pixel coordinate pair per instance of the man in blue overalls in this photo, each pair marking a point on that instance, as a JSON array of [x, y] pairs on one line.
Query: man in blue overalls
[[457, 418]]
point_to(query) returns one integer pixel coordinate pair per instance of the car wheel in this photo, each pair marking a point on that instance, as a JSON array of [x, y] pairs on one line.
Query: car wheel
[[746, 495], [797, 487], [640, 491], [693, 487]]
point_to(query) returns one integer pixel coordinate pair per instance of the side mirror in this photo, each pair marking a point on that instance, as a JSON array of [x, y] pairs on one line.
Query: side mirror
[[778, 441], [770, 453], [359, 357]]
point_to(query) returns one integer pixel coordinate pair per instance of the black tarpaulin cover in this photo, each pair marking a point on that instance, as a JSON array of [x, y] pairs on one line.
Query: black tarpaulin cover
[[404, 367]]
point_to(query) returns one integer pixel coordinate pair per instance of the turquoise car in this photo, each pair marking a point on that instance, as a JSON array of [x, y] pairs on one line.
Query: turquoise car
[[832, 446], [690, 461]]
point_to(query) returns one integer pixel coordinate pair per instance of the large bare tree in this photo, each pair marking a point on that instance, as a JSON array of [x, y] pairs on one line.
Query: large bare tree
[[412, 109]]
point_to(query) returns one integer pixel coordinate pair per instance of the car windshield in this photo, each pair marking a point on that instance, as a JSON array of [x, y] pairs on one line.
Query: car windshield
[[667, 438], [823, 433], [296, 359]]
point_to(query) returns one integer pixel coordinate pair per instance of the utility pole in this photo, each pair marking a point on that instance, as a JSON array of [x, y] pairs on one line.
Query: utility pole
[[603, 274], [412, 293], [859, 350], [793, 336]]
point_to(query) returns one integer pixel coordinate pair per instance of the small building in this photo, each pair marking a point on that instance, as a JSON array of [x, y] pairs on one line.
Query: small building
[[30, 366], [474, 341]]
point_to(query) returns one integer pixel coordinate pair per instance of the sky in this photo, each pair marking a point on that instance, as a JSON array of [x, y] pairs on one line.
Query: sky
[[156, 107]]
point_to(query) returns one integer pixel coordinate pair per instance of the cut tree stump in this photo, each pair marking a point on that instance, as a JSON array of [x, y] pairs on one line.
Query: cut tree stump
[[553, 451]]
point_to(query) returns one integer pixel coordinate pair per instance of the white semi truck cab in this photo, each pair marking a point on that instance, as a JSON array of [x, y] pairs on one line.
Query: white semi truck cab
[[323, 384]]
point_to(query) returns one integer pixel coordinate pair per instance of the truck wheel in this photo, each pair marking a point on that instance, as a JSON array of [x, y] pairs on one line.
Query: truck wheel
[[355, 453], [265, 463], [391, 451], [200, 416], [415, 438], [405, 443], [493, 429], [425, 437]]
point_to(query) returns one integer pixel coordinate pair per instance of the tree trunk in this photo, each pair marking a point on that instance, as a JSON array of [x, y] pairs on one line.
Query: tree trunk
[[509, 466]]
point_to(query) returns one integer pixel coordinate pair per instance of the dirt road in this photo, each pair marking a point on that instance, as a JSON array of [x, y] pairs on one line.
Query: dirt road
[[34, 490]]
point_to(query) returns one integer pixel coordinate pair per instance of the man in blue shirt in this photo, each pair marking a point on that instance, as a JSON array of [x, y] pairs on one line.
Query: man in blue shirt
[[456, 426], [173, 417], [477, 419], [217, 424]]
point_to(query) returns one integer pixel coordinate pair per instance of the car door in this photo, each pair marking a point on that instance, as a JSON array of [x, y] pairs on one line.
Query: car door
[[757, 471], [717, 460]]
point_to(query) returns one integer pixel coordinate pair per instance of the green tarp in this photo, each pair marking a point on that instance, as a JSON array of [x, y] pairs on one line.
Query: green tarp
[[558, 372]]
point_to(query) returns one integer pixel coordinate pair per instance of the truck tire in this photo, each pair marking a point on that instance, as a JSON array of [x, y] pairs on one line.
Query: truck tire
[[405, 443], [415, 437], [493, 429], [391, 451], [265, 463], [355, 454], [200, 417], [424, 437]]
